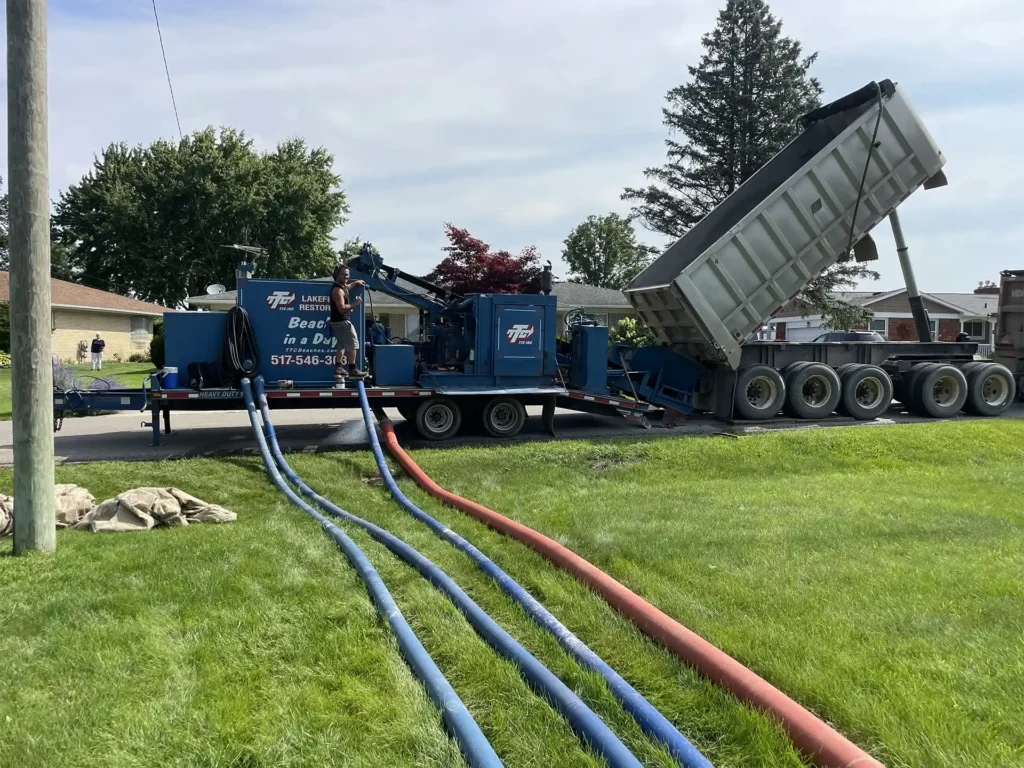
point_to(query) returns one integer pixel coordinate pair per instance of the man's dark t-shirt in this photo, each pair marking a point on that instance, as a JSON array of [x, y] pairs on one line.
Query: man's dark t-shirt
[[98, 345]]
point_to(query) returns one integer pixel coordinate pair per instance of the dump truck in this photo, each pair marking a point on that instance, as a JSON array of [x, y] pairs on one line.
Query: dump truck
[[856, 160]]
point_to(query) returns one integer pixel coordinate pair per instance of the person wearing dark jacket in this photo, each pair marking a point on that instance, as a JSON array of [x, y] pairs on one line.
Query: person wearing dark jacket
[[97, 353]]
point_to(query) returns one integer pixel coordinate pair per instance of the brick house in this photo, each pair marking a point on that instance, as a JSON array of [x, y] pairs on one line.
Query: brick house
[[949, 313], [78, 313]]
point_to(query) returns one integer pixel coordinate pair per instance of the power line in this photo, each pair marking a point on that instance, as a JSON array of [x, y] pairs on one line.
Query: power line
[[163, 53]]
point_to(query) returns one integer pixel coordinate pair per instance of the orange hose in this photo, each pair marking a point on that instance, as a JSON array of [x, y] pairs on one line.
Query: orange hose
[[815, 738]]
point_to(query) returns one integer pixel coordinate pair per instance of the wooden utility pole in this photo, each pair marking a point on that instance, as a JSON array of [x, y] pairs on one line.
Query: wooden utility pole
[[31, 368]]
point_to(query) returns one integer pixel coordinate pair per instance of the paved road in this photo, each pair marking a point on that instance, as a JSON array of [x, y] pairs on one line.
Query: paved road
[[120, 437]]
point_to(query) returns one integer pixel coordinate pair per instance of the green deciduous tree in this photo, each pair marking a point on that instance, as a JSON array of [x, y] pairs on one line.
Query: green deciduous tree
[[603, 251], [739, 108], [152, 222]]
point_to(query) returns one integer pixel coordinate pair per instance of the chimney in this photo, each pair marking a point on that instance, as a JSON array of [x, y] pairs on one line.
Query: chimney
[[987, 288]]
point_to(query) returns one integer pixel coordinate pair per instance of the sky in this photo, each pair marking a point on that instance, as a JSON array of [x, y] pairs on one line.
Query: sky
[[517, 120]]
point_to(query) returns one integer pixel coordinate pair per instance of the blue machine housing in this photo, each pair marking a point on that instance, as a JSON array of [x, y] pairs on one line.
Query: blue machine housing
[[499, 341]]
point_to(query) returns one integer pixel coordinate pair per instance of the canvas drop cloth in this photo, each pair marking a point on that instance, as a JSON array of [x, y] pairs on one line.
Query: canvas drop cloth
[[71, 501], [141, 509]]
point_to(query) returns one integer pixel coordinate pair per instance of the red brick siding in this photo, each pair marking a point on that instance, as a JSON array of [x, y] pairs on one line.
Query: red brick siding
[[903, 329], [948, 329]]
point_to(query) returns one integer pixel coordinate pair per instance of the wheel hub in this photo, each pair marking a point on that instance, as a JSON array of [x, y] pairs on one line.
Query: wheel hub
[[761, 392], [503, 417], [869, 392], [946, 390], [438, 418], [816, 391], [995, 391]]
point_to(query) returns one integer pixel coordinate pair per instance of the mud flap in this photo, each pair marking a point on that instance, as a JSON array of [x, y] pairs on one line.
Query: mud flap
[[548, 415]]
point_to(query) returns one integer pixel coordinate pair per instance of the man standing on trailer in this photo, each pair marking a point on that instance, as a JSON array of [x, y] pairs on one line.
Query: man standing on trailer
[[345, 339], [97, 353]]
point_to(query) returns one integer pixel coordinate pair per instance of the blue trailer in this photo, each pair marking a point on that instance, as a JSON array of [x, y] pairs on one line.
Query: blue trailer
[[486, 357]]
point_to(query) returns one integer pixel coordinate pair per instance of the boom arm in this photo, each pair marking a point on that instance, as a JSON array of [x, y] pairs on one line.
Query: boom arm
[[369, 267]]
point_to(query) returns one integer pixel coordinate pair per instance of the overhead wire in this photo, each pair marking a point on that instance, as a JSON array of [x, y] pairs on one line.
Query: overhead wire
[[167, 69]]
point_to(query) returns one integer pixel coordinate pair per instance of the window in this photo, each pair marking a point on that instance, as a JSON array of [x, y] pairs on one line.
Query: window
[[975, 329], [934, 325], [880, 325], [140, 323]]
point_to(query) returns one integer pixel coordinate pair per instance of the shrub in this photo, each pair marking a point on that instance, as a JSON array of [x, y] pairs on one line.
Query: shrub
[[64, 379], [5, 359], [629, 331], [156, 346], [138, 357]]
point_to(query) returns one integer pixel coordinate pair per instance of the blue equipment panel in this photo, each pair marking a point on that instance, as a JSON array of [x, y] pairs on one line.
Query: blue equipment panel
[[292, 323], [588, 369], [192, 337], [519, 340], [394, 365]]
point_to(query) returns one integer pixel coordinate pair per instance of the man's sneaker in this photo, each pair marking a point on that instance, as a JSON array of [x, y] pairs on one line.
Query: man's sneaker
[[355, 373]]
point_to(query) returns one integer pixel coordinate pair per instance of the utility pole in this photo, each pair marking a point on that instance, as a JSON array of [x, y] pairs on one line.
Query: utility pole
[[31, 367]]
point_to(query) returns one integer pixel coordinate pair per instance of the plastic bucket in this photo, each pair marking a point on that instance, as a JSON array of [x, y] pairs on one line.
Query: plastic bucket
[[169, 380]]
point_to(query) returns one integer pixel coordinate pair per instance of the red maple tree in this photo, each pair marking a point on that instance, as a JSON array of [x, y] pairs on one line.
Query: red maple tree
[[471, 267]]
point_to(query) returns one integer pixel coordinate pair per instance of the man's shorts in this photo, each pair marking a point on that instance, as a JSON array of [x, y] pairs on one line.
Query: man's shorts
[[345, 335]]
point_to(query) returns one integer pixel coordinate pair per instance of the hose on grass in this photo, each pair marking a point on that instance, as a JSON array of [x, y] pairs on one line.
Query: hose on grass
[[825, 746], [587, 725], [650, 720], [457, 719]]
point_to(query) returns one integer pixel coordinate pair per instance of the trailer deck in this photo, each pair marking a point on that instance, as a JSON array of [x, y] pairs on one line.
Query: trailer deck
[[163, 401]]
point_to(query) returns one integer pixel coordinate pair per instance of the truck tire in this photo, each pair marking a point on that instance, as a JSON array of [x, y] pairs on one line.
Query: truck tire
[[867, 392], [760, 392], [504, 417], [939, 391], [438, 418], [905, 388], [812, 391], [990, 389]]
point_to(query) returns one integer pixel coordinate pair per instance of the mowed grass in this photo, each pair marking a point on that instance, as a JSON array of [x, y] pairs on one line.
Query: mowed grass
[[129, 374], [874, 575]]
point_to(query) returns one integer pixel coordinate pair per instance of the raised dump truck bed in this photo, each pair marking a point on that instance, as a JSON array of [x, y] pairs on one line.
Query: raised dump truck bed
[[790, 221]]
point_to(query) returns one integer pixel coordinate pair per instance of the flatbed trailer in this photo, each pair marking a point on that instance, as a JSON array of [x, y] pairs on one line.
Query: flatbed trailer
[[161, 403]]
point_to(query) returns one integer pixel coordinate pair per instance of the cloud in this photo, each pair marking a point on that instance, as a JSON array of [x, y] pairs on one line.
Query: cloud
[[517, 120]]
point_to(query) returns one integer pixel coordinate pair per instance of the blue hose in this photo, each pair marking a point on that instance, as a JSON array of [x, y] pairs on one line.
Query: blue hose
[[653, 723], [588, 726], [457, 719]]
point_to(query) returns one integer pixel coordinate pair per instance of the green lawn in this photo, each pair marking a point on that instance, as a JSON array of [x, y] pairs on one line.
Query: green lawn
[[875, 575], [129, 374]]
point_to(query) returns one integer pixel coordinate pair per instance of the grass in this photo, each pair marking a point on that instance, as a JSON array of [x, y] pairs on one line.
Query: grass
[[129, 374], [875, 575]]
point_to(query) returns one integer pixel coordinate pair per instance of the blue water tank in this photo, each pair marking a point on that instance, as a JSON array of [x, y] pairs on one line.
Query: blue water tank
[[588, 370]]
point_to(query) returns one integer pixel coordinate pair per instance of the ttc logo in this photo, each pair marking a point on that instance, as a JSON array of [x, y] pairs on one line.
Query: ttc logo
[[520, 334], [281, 299]]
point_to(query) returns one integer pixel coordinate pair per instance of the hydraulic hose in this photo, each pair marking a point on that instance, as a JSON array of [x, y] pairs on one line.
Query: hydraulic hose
[[653, 723], [588, 726], [460, 724], [815, 738]]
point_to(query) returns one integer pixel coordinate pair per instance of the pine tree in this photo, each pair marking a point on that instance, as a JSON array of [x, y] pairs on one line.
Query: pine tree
[[740, 107]]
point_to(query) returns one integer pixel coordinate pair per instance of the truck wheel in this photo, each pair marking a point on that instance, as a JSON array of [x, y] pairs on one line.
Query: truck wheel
[[438, 418], [939, 391], [812, 391], [905, 388], [867, 392], [990, 389], [504, 417], [760, 392]]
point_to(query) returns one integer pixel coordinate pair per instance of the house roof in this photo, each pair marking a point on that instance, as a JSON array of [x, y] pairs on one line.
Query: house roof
[[569, 295], [74, 296], [971, 304]]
